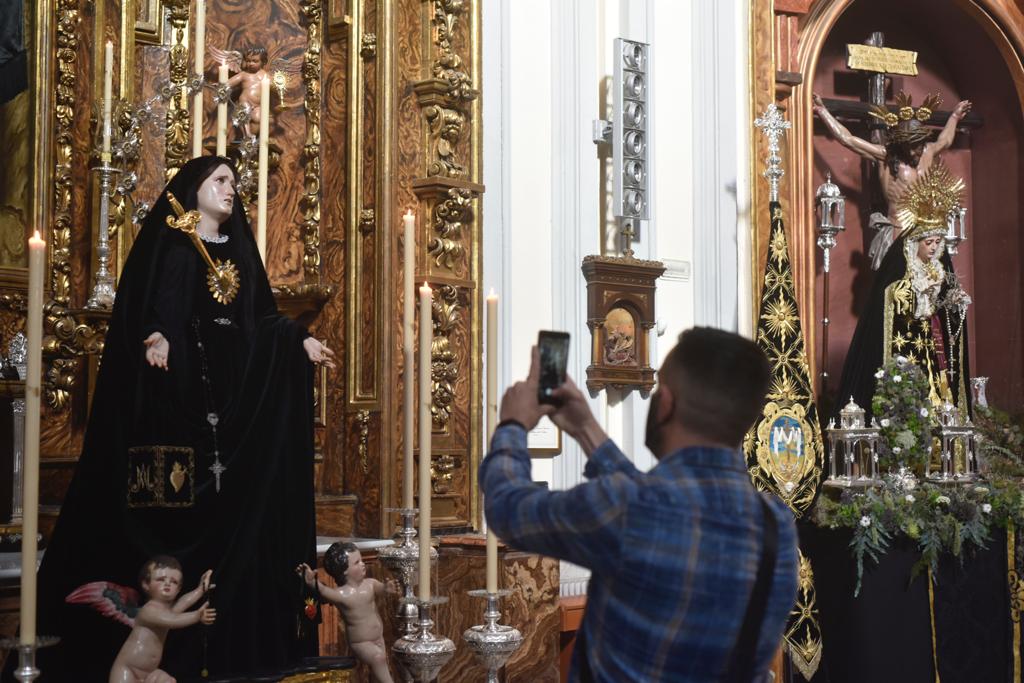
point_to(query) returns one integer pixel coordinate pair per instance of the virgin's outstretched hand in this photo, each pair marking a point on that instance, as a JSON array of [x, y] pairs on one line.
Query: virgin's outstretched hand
[[318, 352], [157, 348]]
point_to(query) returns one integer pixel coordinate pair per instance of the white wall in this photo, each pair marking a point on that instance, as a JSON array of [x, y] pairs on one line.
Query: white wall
[[545, 62]]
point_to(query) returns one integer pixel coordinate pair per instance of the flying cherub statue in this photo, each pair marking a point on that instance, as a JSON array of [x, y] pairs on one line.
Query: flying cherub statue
[[160, 578], [246, 68]]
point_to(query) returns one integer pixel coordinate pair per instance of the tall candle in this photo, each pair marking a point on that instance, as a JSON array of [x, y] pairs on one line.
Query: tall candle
[[408, 334], [426, 425], [492, 423], [108, 75], [30, 496], [200, 54], [222, 114], [261, 196]]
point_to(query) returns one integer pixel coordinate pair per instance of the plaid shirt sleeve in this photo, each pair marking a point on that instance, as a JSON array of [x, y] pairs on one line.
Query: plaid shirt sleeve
[[582, 525]]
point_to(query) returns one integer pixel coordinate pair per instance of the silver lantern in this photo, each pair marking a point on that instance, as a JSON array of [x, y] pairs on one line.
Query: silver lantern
[[957, 456], [853, 447]]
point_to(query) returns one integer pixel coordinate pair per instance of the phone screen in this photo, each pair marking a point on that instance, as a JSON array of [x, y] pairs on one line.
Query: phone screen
[[554, 356]]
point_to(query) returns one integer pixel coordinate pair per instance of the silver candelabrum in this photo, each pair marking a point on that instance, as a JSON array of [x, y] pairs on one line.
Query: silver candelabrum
[[26, 670], [492, 643], [421, 654], [102, 297], [403, 560]]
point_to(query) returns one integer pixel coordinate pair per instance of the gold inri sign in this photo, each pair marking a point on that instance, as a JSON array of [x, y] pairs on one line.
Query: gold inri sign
[[884, 60]]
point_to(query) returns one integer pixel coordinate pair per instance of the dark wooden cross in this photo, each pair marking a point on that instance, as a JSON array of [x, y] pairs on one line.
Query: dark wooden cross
[[876, 60]]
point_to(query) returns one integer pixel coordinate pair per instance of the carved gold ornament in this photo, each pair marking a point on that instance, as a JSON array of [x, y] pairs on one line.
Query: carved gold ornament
[[222, 277]]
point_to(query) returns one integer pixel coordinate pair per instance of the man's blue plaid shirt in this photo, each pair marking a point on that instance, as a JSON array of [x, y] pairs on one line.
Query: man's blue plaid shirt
[[673, 555]]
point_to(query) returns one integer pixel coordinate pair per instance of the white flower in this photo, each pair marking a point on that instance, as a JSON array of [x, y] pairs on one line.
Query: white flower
[[909, 498], [880, 374], [901, 360], [942, 500], [981, 490], [897, 378], [924, 412], [884, 422], [897, 450], [865, 521], [986, 508]]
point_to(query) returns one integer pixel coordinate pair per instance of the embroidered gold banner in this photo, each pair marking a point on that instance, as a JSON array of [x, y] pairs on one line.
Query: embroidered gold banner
[[784, 450]]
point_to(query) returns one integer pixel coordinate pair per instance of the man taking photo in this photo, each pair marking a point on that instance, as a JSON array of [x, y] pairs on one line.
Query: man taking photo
[[693, 571]]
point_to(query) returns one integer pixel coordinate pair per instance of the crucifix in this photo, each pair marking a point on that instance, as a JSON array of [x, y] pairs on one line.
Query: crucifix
[[877, 61]]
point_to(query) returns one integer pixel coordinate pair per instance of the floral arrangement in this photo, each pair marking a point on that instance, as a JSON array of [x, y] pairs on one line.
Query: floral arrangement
[[900, 406], [939, 519]]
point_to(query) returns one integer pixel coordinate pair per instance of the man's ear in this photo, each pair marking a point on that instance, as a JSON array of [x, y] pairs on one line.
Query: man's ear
[[665, 405]]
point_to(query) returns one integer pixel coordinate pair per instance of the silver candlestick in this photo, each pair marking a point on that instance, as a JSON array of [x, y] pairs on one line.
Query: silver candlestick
[[421, 654], [26, 670], [491, 642], [403, 560], [102, 297]]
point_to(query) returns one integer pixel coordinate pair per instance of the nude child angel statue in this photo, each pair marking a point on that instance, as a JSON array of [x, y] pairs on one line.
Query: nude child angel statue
[[355, 597]]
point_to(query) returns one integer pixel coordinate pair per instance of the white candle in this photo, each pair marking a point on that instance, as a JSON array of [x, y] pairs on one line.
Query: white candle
[[30, 494], [492, 423], [408, 341], [222, 114], [426, 426], [261, 196], [200, 53], [108, 75]]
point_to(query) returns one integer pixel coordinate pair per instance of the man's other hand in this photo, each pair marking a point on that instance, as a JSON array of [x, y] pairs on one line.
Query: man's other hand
[[520, 400], [572, 415]]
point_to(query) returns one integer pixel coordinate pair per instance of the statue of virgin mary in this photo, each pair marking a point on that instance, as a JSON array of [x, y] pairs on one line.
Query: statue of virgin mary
[[917, 308], [199, 445]]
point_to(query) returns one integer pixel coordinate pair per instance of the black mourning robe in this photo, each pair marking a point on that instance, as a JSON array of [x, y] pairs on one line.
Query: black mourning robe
[[868, 345], [261, 523]]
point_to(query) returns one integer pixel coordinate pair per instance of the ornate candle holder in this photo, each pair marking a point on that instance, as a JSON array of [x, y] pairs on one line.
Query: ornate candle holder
[[26, 670], [403, 559], [421, 654], [102, 297], [492, 643]]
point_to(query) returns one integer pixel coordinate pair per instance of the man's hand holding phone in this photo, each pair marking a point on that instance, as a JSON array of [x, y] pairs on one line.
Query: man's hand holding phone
[[520, 400]]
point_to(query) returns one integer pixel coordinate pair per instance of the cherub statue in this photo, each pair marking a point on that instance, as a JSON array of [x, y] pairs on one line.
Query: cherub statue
[[355, 597], [246, 69], [160, 578]]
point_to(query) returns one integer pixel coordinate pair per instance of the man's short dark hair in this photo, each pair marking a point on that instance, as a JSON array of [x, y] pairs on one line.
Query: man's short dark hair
[[336, 560], [157, 562], [719, 380]]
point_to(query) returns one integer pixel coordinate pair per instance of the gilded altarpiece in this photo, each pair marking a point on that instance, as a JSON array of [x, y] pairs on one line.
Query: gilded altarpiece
[[150, 39], [380, 114]]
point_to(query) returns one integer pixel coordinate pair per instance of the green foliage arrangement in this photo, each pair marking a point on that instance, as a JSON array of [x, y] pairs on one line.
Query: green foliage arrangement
[[946, 519], [900, 406]]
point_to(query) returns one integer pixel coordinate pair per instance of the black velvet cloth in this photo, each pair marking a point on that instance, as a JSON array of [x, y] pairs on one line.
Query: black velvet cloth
[[261, 523], [868, 344], [884, 635]]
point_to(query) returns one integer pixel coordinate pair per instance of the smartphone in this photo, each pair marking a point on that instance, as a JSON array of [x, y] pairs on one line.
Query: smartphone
[[554, 355]]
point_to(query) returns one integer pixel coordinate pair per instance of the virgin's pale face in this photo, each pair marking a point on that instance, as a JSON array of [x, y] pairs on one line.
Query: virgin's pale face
[[928, 248], [216, 196]]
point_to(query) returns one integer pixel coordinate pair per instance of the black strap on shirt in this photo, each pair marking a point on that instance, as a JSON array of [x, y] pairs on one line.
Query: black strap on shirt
[[744, 656]]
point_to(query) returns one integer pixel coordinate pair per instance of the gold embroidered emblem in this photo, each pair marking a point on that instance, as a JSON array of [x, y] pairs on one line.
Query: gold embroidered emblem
[[177, 476]]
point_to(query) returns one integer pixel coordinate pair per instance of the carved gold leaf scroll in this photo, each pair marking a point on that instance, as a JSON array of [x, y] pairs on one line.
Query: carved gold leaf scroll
[[311, 78], [176, 138]]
